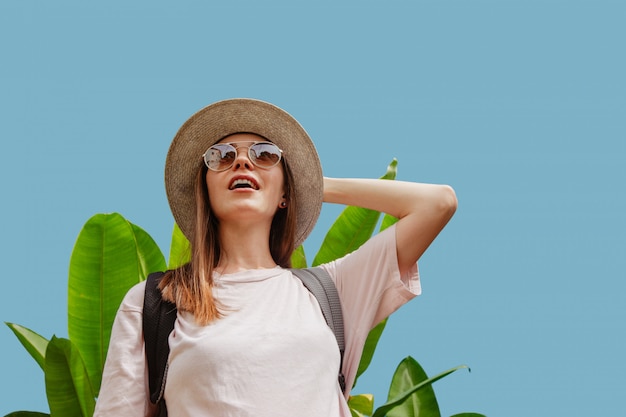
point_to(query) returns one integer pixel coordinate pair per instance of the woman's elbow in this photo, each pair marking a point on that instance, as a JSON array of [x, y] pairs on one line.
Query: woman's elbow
[[447, 201]]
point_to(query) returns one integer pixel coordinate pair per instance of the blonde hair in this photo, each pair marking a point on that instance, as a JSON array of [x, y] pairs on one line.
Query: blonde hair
[[190, 286]]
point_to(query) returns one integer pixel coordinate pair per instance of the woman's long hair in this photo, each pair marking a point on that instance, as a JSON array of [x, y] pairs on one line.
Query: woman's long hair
[[190, 286]]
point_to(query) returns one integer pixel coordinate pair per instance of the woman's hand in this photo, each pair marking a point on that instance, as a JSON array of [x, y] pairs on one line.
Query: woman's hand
[[422, 209]]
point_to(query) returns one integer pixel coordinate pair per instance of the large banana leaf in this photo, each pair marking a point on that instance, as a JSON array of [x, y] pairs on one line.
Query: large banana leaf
[[298, 258], [422, 403], [34, 343], [374, 335], [351, 229], [110, 256], [369, 348], [401, 397], [68, 389], [180, 250]]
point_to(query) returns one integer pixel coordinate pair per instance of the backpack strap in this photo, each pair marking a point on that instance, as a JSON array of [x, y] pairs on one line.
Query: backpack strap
[[321, 285], [158, 322]]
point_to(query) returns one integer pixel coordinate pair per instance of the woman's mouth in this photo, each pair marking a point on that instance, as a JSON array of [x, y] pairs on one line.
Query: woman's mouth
[[243, 183]]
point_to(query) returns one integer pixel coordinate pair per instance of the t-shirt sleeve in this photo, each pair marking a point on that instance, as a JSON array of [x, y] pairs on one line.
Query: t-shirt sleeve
[[124, 389], [370, 288]]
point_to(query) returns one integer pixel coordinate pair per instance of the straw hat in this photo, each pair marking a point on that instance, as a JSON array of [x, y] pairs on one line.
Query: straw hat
[[240, 115]]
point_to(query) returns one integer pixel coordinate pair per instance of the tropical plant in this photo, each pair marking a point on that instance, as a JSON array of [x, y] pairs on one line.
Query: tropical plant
[[111, 255]]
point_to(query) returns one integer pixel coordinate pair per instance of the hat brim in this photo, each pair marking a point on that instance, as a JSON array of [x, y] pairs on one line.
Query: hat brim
[[218, 120]]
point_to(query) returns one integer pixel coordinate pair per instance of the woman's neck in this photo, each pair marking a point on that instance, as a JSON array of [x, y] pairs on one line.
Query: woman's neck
[[244, 248]]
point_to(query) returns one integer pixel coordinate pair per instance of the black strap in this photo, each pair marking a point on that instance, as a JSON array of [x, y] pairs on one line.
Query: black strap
[[159, 317]]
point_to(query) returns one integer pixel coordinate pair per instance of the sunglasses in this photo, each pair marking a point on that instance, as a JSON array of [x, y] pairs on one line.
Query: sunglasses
[[221, 156]]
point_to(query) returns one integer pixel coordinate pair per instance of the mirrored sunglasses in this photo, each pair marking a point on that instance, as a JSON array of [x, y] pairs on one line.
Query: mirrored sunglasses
[[221, 156]]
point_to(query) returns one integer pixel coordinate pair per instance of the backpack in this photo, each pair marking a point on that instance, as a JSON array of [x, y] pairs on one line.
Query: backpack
[[159, 316]]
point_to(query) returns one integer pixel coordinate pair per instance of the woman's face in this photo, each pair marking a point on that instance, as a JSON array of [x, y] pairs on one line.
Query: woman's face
[[244, 192]]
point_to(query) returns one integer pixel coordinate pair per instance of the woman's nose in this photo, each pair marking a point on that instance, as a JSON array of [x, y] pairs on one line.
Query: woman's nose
[[242, 160]]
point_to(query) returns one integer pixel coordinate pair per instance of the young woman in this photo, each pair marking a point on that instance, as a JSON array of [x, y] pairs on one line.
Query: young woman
[[245, 186]]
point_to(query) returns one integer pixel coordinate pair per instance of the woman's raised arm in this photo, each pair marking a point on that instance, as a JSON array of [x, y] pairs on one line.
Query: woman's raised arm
[[422, 209]]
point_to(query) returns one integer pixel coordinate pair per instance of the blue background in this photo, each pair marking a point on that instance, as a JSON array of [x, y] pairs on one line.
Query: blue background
[[519, 105]]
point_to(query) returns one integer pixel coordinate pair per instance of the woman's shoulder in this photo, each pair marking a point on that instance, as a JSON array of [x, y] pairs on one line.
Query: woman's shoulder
[[133, 300]]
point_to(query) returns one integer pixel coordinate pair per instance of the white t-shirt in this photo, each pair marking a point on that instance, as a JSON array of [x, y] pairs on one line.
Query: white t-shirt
[[271, 355]]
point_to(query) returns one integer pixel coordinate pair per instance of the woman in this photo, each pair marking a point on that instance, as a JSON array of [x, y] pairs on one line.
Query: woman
[[245, 186]]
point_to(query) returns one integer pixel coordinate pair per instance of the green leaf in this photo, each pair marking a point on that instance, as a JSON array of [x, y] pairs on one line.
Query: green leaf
[[369, 348], [298, 258], [68, 389], [34, 343], [402, 397], [27, 414], [109, 257], [149, 255], [180, 249], [353, 227], [421, 403], [392, 170], [363, 404], [387, 222]]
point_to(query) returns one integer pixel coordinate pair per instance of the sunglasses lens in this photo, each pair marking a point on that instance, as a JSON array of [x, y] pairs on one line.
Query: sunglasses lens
[[265, 155], [220, 156]]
